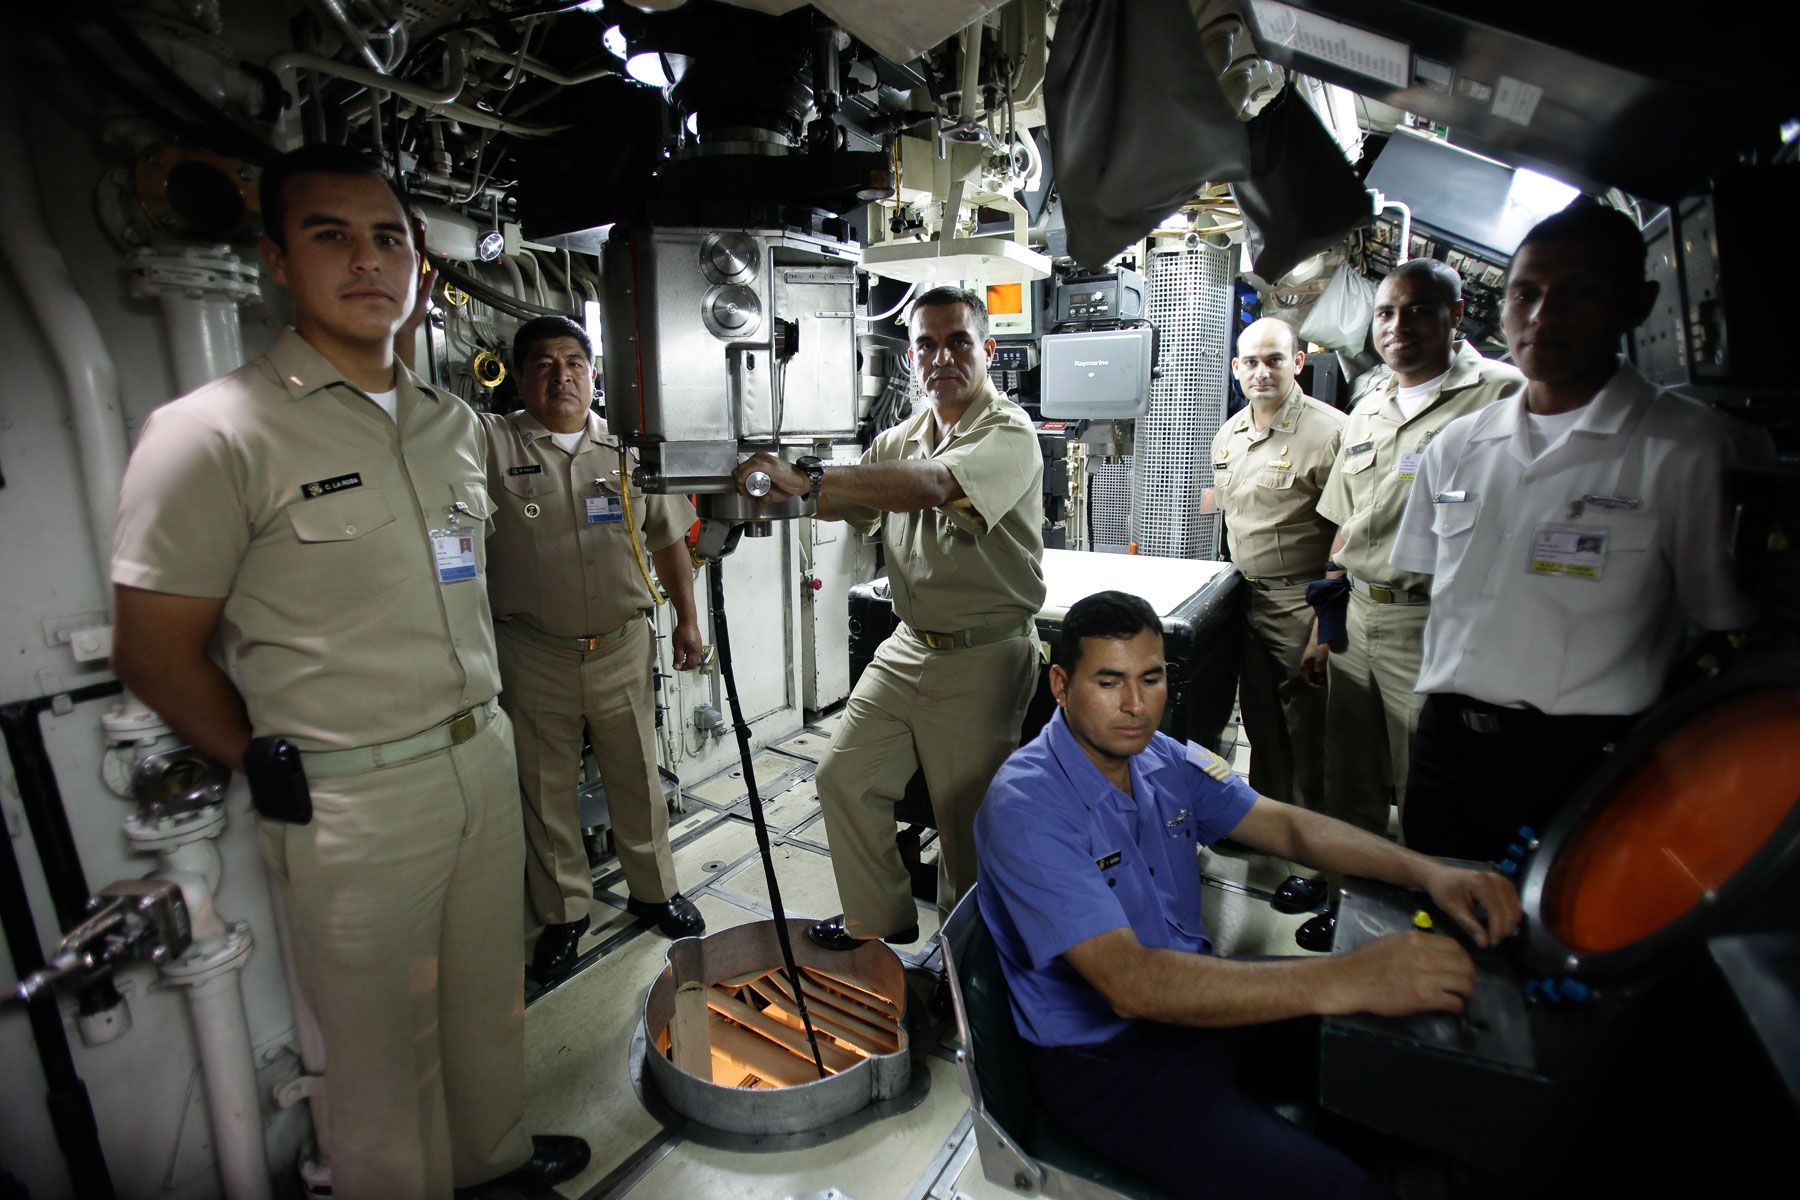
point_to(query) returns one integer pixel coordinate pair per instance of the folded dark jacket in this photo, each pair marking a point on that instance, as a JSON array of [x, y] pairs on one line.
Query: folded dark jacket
[[1330, 599]]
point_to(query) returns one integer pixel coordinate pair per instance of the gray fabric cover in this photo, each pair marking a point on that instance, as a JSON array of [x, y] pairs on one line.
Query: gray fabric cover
[[1137, 120]]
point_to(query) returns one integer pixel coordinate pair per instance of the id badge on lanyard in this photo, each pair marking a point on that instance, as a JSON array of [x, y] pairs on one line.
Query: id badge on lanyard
[[453, 547], [603, 508], [1569, 551]]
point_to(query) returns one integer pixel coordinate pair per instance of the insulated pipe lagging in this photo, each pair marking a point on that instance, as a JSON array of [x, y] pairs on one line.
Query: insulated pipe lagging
[[42, 276]]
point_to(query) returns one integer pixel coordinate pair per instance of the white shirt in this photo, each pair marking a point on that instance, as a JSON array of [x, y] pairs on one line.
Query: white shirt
[[1520, 616], [1546, 431], [1411, 401], [389, 402], [568, 441]]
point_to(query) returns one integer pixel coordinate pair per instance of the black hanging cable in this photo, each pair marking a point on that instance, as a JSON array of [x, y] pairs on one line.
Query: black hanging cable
[[716, 570], [490, 296]]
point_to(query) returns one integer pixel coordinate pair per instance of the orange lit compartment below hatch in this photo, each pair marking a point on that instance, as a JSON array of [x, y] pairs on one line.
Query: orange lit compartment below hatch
[[1681, 824], [1005, 299]]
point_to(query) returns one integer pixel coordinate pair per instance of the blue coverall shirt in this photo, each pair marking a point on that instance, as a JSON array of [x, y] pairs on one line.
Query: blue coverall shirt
[[1064, 856]]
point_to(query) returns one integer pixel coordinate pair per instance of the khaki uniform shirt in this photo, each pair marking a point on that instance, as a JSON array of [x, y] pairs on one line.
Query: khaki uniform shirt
[[1268, 484], [286, 491], [975, 561], [560, 556], [1374, 474]]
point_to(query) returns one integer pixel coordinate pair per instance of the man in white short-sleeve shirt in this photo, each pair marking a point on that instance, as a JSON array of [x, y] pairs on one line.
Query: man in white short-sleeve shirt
[[1573, 533]]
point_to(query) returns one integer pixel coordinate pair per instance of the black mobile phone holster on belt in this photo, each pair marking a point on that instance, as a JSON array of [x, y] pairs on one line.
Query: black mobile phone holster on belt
[[277, 781]]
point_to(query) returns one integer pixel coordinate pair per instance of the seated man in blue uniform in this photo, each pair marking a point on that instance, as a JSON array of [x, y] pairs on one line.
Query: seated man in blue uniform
[[1086, 850]]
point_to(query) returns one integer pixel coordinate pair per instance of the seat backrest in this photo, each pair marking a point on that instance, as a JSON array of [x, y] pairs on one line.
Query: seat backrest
[[999, 1051]]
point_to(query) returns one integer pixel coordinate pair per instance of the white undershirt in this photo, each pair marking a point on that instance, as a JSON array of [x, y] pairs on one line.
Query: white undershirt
[[389, 402], [568, 441], [1547, 431], [1412, 400]]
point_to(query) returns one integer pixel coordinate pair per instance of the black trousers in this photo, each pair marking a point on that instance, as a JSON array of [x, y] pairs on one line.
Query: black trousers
[[1182, 1107], [1479, 772]]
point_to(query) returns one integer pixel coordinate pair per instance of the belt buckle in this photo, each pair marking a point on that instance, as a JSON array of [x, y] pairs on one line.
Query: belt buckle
[[462, 727], [935, 641], [1381, 593], [589, 643]]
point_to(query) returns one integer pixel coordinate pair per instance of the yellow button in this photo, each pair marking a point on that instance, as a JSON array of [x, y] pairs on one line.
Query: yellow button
[[1422, 920]]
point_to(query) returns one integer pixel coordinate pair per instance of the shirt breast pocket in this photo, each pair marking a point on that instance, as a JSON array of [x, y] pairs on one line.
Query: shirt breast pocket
[[1453, 521], [1358, 463], [347, 543], [473, 495], [1632, 564], [1270, 478]]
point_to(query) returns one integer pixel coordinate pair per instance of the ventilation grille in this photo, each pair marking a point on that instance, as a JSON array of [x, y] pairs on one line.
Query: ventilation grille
[[1109, 506], [1190, 305]]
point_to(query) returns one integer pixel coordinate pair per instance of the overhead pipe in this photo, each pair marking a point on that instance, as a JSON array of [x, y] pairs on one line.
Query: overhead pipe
[[73, 336], [335, 10], [543, 70], [440, 101]]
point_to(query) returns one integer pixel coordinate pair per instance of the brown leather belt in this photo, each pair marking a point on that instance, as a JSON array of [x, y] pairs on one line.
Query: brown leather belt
[[587, 644]]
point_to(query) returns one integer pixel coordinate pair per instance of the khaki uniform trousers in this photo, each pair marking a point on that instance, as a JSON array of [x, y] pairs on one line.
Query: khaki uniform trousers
[[403, 906], [955, 714], [1371, 711], [551, 693], [1284, 717]]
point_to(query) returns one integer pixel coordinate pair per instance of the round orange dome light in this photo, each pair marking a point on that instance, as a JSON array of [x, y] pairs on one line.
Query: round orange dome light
[[1680, 824]]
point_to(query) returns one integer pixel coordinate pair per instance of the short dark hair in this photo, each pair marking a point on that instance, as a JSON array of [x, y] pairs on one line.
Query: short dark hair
[[320, 158], [1118, 615], [943, 297], [547, 329], [1443, 276], [1613, 237]]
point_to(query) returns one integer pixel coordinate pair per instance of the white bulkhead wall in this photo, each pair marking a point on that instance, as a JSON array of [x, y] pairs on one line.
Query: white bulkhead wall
[[145, 1086]]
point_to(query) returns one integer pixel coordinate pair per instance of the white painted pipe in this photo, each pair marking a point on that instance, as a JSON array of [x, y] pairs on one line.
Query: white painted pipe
[[223, 1036], [75, 340], [206, 338], [306, 1025], [1404, 250]]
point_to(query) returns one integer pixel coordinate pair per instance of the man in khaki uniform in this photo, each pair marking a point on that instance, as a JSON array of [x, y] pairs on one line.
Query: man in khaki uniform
[[1270, 463], [1432, 377], [956, 491], [319, 516], [570, 593]]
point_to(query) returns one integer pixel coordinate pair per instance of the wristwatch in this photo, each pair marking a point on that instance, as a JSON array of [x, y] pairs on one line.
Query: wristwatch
[[814, 467]]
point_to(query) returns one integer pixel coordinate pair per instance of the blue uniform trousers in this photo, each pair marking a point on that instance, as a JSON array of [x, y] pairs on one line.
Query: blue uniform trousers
[[1177, 1106]]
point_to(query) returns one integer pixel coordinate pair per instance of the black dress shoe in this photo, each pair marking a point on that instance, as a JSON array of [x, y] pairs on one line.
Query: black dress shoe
[[675, 916], [832, 935], [555, 1157], [554, 954], [1318, 933], [1298, 894]]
